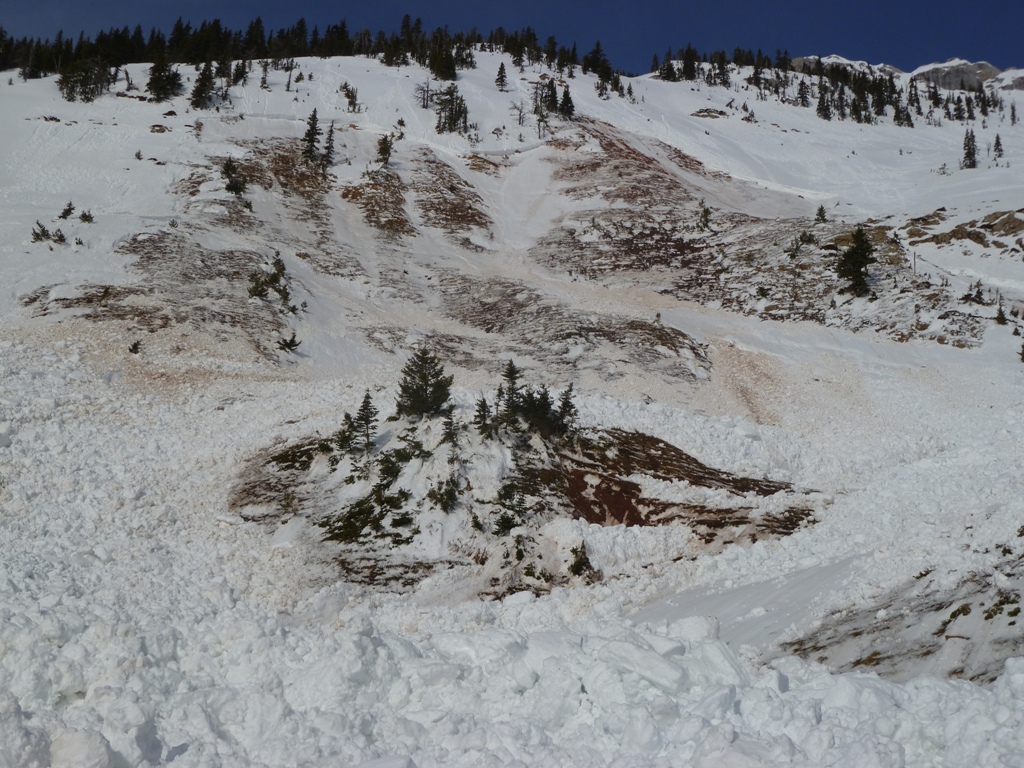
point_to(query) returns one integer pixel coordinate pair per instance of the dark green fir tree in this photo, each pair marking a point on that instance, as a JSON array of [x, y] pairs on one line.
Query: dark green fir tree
[[328, 157], [565, 107], [424, 389], [970, 158], [311, 138], [824, 110], [366, 423], [202, 91], [854, 261]]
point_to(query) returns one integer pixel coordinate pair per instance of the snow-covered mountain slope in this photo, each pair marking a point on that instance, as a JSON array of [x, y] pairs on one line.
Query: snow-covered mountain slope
[[817, 487]]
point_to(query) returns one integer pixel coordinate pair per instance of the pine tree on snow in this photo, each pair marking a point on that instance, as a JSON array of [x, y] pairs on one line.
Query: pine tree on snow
[[328, 157], [202, 92], [970, 159], [824, 110], [366, 422], [803, 94], [424, 389], [312, 136], [854, 261], [566, 108]]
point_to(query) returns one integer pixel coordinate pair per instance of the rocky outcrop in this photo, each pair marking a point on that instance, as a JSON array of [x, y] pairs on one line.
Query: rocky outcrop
[[957, 73]]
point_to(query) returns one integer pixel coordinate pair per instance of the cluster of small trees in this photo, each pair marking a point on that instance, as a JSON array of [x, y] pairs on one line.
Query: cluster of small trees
[[41, 233], [86, 80], [546, 100], [970, 158], [518, 407], [164, 80], [441, 51], [608, 80], [425, 393], [262, 282], [234, 183], [311, 153], [452, 112], [842, 92], [688, 68]]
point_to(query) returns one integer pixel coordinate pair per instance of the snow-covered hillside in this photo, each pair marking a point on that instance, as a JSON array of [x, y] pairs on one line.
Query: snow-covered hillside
[[787, 527]]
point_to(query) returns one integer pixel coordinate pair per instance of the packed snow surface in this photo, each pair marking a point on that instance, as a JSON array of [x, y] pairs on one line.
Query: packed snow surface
[[144, 623]]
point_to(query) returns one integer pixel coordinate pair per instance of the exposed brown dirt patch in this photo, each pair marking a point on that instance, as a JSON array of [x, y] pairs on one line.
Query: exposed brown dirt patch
[[180, 283], [592, 481], [446, 201], [481, 164], [381, 198], [565, 338]]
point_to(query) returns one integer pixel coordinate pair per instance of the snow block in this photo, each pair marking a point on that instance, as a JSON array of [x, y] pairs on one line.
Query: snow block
[[80, 749], [628, 657], [391, 761]]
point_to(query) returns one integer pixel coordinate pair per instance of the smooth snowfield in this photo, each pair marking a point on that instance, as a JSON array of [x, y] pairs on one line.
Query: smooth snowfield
[[142, 623]]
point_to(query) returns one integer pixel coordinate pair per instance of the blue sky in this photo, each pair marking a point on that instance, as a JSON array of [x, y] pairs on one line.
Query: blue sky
[[905, 34]]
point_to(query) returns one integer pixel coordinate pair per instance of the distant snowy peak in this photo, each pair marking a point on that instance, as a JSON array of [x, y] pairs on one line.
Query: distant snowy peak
[[951, 75], [859, 66], [959, 73], [1011, 79]]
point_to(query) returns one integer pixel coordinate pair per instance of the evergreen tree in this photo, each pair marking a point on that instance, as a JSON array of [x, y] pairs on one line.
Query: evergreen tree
[[450, 435], [970, 159], [482, 416], [824, 110], [565, 107], [854, 261], [310, 139], [901, 116], [567, 412], [441, 62], [550, 97], [452, 112], [385, 146], [819, 216], [202, 92], [997, 148], [164, 80], [328, 157], [958, 109], [914, 97], [722, 71], [667, 71], [84, 80], [512, 388], [803, 94], [690, 60], [502, 79], [366, 422], [239, 74], [234, 184], [424, 389]]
